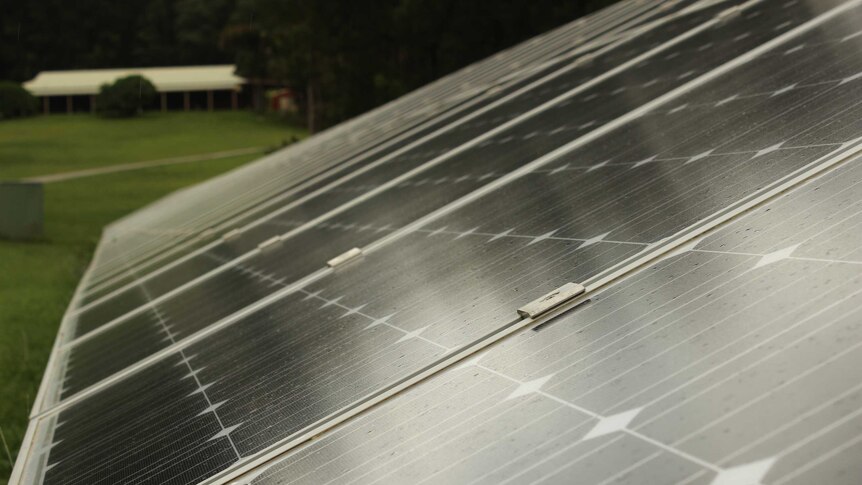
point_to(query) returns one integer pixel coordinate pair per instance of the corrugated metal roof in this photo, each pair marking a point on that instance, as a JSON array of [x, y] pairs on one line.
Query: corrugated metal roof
[[166, 79]]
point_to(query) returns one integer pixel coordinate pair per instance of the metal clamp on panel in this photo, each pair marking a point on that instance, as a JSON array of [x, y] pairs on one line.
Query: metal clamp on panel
[[230, 236], [551, 300], [344, 257], [729, 13], [736, 10], [585, 59], [270, 243]]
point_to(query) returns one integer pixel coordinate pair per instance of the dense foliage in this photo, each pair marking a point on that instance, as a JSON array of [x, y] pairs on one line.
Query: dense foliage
[[127, 97], [15, 101], [342, 56]]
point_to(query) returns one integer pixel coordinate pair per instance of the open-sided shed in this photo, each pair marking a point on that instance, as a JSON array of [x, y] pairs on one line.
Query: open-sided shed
[[187, 86]]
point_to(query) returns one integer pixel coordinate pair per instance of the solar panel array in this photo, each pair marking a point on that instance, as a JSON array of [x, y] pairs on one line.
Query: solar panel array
[[693, 164]]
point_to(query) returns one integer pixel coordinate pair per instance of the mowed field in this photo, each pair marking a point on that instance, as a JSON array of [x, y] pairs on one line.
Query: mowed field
[[37, 278]]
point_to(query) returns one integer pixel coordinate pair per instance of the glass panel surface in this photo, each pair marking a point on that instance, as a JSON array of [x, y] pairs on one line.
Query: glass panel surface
[[372, 323], [734, 353]]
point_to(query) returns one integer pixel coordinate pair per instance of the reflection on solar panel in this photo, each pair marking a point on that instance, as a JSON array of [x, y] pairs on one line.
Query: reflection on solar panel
[[694, 165]]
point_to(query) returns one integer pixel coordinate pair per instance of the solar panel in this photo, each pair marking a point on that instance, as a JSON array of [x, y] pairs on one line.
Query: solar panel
[[696, 176], [729, 359]]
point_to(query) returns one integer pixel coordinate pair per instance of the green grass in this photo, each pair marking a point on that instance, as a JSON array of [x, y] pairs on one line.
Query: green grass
[[61, 143], [37, 279]]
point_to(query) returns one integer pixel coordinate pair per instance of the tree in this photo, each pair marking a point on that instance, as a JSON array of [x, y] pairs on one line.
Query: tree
[[346, 57], [342, 57], [15, 101], [127, 97]]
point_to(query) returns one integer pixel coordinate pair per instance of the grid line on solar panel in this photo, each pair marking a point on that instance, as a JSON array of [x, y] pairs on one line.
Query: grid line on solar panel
[[488, 135], [330, 300]]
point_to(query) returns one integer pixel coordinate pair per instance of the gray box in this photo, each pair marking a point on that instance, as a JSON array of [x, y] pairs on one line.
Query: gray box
[[22, 210]]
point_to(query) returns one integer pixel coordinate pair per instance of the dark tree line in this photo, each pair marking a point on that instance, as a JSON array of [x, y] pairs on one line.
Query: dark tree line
[[342, 57]]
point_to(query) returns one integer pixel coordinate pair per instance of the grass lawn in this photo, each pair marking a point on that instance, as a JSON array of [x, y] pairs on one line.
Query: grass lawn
[[37, 279], [61, 143]]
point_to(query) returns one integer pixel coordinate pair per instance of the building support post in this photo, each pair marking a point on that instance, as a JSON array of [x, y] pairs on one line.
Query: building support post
[[164, 97], [46, 105], [187, 102], [210, 100], [92, 103], [234, 100], [68, 105]]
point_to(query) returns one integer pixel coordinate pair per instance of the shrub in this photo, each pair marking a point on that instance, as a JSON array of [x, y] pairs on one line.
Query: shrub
[[15, 101], [127, 97]]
